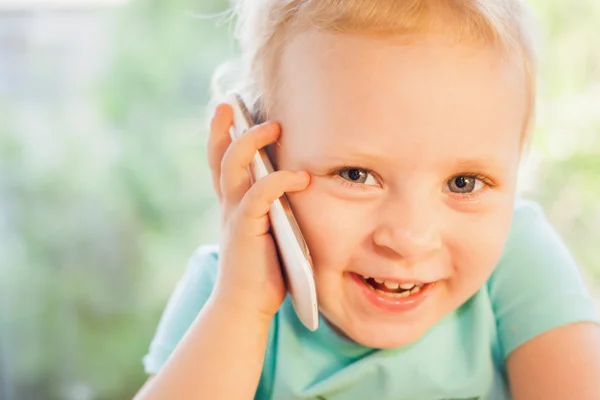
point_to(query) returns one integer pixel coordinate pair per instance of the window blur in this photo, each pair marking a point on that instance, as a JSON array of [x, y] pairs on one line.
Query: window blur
[[105, 191]]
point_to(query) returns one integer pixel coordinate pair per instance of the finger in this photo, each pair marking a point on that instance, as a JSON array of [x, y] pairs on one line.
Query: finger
[[218, 142], [235, 179], [255, 205]]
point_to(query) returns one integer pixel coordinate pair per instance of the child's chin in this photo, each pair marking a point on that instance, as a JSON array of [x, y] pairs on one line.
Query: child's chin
[[380, 334]]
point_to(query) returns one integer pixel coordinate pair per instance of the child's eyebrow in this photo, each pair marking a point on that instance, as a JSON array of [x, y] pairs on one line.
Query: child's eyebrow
[[345, 154], [358, 156], [488, 164]]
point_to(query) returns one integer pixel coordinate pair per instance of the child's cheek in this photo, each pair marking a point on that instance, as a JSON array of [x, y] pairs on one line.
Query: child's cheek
[[475, 244], [332, 227]]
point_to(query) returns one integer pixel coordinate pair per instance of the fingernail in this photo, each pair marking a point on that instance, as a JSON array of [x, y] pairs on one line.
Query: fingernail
[[272, 125], [302, 174]]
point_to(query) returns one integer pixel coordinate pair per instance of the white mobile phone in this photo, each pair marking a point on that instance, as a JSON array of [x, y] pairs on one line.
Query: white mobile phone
[[293, 251]]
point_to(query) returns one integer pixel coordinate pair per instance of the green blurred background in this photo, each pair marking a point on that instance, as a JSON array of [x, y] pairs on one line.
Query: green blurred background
[[105, 192]]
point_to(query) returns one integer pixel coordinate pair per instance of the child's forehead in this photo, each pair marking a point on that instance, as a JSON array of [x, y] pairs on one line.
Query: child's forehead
[[347, 70], [422, 95], [319, 48]]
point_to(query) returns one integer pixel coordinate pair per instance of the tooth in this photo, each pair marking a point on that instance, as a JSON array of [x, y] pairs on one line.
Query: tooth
[[391, 285], [378, 280], [389, 294], [405, 294], [366, 277], [406, 286], [415, 289]]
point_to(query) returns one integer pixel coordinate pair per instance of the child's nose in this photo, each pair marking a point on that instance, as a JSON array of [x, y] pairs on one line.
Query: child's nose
[[408, 230]]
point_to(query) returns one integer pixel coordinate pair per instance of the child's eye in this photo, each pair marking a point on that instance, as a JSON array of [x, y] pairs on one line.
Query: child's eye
[[358, 176], [463, 184]]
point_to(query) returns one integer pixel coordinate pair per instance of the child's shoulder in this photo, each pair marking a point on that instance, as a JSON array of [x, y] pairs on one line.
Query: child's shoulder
[[205, 259], [527, 211], [532, 238], [536, 286], [188, 298], [201, 270], [533, 249]]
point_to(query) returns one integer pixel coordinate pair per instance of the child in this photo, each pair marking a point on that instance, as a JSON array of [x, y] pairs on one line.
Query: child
[[401, 126]]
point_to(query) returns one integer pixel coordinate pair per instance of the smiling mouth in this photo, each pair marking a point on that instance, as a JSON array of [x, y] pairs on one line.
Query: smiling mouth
[[392, 288]]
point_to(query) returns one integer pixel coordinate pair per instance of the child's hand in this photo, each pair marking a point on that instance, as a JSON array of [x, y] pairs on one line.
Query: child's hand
[[249, 271]]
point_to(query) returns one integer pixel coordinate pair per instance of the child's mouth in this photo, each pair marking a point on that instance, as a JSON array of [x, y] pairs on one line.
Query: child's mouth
[[393, 295], [393, 288]]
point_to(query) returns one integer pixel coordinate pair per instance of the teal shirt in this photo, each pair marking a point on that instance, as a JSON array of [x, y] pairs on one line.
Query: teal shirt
[[535, 287]]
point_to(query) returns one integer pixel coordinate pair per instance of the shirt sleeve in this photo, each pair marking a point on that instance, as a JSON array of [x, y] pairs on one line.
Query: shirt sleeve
[[536, 286], [188, 298]]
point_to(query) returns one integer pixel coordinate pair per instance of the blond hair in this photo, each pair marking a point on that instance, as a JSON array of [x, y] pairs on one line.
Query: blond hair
[[263, 27]]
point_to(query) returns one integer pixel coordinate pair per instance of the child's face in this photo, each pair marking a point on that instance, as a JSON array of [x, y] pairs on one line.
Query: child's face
[[413, 151]]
